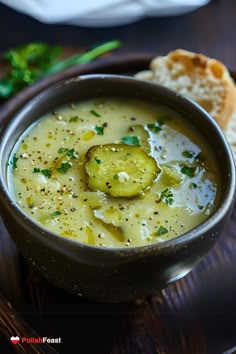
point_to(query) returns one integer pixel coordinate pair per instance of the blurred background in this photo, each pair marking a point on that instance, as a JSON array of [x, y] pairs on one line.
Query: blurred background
[[151, 26]]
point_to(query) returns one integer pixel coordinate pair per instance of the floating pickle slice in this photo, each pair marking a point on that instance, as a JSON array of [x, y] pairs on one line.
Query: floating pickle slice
[[120, 170]]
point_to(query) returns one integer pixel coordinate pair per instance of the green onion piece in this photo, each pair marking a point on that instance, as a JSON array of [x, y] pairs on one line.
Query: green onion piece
[[85, 57]]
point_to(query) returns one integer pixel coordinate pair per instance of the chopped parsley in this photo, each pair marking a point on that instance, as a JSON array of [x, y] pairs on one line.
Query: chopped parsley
[[56, 213], [130, 140], [115, 176], [13, 162], [96, 114], [98, 161], [47, 173], [161, 231], [65, 166], [154, 127], [36, 170], [69, 152], [167, 196], [188, 170], [62, 150], [99, 130], [73, 119]]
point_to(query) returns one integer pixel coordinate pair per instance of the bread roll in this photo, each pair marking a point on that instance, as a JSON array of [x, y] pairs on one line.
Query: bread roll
[[205, 80]]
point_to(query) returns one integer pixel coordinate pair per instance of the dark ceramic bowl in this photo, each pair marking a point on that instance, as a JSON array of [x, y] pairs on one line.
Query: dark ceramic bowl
[[113, 274]]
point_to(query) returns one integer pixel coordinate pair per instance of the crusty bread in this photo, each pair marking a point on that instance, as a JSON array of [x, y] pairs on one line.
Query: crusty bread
[[205, 80]]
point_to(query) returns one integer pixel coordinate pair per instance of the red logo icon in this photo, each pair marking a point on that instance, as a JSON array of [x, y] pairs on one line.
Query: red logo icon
[[15, 339]]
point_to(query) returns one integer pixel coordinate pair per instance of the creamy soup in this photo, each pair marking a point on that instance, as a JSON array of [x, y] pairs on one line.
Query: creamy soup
[[114, 173]]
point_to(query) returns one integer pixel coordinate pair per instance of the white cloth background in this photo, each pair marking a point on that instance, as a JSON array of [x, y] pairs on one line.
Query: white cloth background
[[97, 13]]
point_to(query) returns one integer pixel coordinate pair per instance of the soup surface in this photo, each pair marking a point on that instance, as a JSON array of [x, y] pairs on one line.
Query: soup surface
[[114, 173]]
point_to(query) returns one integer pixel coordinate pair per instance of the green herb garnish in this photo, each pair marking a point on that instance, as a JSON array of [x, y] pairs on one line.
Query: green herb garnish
[[130, 140], [69, 152], [167, 196], [72, 153], [199, 157], [98, 161], [188, 171], [62, 150], [47, 173], [65, 166], [56, 213], [99, 130], [155, 127], [115, 177], [33, 61], [96, 114], [27, 63], [36, 170], [13, 162], [161, 231], [73, 119]]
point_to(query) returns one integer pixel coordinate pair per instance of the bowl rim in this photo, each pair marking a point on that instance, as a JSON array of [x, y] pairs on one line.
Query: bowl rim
[[184, 238]]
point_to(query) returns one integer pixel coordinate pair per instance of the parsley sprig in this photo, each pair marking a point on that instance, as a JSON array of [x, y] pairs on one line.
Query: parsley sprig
[[33, 61]]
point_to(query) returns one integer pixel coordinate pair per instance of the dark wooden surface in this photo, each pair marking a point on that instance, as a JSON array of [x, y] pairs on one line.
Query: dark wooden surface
[[197, 314]]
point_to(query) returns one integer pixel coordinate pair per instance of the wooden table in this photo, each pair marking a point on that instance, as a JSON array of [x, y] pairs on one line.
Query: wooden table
[[195, 315]]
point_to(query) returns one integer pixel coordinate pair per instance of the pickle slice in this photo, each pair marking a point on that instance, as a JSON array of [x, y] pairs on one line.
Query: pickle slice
[[119, 170]]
